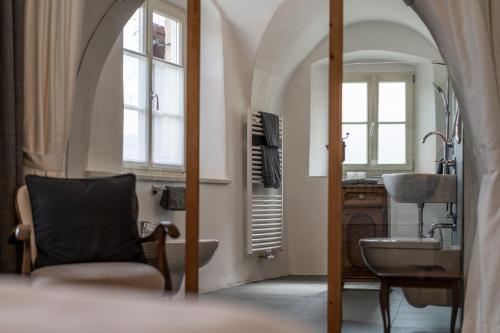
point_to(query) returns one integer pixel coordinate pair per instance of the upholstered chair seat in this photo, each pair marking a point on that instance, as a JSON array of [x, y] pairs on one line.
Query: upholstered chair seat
[[107, 274]]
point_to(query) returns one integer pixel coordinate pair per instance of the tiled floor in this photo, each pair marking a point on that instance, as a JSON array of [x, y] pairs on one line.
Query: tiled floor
[[303, 298]]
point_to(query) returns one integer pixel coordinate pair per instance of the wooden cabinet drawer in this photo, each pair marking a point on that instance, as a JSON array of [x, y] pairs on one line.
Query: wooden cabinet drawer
[[364, 216], [364, 196], [358, 223]]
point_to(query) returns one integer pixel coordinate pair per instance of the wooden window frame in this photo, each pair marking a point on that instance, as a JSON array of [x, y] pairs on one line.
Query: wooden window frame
[[170, 11], [373, 79]]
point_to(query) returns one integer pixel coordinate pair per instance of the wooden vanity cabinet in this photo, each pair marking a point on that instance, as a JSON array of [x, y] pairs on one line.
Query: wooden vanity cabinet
[[365, 216]]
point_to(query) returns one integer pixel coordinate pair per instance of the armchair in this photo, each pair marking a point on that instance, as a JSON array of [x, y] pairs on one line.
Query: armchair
[[151, 276]]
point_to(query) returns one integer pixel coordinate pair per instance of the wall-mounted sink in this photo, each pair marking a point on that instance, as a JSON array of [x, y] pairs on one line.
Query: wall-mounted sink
[[412, 256], [421, 187], [176, 254]]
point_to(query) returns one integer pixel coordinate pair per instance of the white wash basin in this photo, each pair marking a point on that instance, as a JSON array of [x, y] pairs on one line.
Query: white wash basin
[[412, 256], [421, 187], [176, 254]]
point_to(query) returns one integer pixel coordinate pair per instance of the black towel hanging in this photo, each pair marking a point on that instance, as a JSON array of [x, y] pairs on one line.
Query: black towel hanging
[[164, 198]]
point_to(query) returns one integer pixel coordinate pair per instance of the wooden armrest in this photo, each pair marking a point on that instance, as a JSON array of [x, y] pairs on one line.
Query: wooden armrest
[[22, 233], [170, 229], [154, 235], [159, 234], [163, 229]]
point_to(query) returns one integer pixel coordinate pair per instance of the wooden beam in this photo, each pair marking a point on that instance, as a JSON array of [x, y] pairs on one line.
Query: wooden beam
[[335, 168], [192, 144]]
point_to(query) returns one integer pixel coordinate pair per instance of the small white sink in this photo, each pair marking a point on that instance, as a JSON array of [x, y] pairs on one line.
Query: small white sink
[[412, 256], [405, 254], [176, 254], [421, 187]]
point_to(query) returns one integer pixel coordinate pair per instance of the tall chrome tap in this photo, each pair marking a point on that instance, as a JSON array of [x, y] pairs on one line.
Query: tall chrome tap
[[447, 139], [446, 161]]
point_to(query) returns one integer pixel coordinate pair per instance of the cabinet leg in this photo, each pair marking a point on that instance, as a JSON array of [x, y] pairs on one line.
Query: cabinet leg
[[455, 289], [385, 305]]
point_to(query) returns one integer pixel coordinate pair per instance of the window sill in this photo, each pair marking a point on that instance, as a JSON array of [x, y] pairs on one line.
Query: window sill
[[369, 173], [160, 176], [179, 179]]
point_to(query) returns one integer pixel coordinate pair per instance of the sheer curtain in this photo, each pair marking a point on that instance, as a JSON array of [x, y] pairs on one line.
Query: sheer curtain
[[468, 35], [52, 47]]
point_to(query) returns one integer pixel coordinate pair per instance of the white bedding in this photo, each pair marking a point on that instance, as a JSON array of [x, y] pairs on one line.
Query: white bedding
[[84, 310]]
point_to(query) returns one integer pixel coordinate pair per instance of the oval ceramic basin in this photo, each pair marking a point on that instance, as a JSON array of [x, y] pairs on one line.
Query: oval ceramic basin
[[421, 187], [176, 253], [389, 255], [412, 256]]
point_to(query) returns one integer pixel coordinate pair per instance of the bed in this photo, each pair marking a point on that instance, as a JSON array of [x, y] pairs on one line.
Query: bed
[[82, 310]]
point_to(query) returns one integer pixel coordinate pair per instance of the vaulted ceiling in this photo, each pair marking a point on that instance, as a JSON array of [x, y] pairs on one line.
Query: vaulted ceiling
[[279, 34]]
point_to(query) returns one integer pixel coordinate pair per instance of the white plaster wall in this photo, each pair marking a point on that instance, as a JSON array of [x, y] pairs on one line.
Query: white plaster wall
[[305, 196], [106, 129], [425, 118], [471, 196], [103, 22], [441, 78], [212, 104], [223, 209], [105, 142], [404, 216], [318, 127], [225, 96], [296, 28], [242, 65], [388, 36]]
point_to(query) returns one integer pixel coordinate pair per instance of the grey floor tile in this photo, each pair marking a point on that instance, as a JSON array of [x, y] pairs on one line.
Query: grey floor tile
[[304, 298], [417, 330], [424, 315], [316, 322], [435, 323], [357, 327]]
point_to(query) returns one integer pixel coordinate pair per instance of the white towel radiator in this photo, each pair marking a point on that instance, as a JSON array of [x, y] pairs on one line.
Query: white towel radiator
[[264, 206]]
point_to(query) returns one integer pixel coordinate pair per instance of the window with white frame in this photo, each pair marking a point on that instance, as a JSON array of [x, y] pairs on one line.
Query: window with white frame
[[153, 87], [377, 114]]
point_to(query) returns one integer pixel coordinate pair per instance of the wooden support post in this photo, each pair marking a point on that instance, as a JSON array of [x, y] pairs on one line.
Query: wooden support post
[[192, 144], [335, 168]]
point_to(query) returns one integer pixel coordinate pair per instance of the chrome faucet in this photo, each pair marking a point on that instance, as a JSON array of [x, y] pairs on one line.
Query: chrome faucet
[[446, 161], [452, 224], [447, 140], [436, 133], [443, 225], [447, 145]]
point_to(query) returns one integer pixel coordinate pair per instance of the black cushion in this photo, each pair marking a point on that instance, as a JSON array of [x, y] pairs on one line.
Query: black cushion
[[85, 220]]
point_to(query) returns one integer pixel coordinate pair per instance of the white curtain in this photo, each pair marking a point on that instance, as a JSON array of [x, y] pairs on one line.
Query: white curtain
[[52, 48], [468, 35]]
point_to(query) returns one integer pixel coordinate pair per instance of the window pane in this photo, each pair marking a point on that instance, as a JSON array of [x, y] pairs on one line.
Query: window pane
[[168, 120], [133, 32], [391, 144], [392, 101], [134, 136], [168, 140], [166, 38], [168, 83], [134, 81], [357, 145], [355, 102]]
